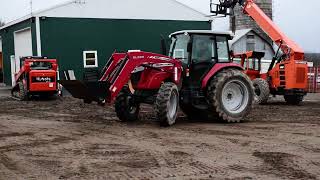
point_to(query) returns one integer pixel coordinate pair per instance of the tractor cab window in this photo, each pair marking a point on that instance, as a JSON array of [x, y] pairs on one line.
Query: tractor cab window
[[203, 49], [40, 65], [222, 48], [179, 46]]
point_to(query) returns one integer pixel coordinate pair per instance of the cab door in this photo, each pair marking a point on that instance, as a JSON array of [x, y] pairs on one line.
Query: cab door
[[203, 57]]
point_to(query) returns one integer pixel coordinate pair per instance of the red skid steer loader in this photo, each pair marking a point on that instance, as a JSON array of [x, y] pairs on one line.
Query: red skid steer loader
[[198, 76], [37, 77]]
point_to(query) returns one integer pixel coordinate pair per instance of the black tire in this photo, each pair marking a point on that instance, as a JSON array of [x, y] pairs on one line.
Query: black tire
[[218, 95], [22, 92], [126, 110], [167, 104], [293, 99], [87, 101], [261, 90]]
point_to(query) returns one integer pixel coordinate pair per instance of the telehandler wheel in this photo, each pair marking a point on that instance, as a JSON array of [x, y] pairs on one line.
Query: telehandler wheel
[[230, 95], [167, 103], [125, 108], [293, 99], [261, 90]]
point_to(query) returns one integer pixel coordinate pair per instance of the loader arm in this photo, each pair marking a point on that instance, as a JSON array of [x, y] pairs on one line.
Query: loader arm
[[117, 74], [121, 75]]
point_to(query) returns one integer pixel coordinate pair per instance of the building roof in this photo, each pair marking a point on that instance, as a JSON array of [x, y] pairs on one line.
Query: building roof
[[115, 9], [241, 33], [228, 33]]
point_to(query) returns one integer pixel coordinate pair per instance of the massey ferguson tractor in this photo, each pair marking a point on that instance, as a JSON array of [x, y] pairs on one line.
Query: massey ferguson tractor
[[287, 73], [37, 77], [198, 76]]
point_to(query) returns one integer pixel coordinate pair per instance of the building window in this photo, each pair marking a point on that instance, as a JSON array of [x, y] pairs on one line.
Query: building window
[[251, 46], [90, 59], [250, 36], [251, 42]]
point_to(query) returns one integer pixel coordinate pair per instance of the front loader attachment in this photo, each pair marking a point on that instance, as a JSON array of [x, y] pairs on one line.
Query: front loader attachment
[[88, 91], [116, 74]]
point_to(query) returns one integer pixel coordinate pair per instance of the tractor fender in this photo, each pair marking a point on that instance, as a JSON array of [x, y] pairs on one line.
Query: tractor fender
[[217, 68]]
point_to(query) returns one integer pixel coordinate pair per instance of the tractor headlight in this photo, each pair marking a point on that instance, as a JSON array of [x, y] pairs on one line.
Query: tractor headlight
[[282, 66]]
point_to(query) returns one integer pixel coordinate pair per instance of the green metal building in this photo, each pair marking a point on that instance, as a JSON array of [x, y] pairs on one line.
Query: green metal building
[[83, 34]]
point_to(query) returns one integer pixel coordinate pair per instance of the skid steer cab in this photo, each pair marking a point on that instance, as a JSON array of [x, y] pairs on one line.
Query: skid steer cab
[[197, 76], [37, 77]]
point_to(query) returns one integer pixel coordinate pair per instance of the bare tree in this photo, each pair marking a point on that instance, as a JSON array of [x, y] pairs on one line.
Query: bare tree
[[2, 23], [313, 57]]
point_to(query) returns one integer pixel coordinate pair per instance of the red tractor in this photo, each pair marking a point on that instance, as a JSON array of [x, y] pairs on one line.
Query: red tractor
[[37, 76], [198, 76]]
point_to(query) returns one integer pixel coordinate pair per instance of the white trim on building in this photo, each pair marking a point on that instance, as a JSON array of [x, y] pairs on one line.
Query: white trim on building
[[115, 9], [91, 59], [38, 37]]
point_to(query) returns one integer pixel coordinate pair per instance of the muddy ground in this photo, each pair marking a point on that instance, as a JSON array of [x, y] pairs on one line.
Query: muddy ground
[[66, 139]]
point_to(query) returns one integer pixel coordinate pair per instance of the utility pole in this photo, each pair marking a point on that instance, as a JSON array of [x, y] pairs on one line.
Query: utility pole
[[31, 7]]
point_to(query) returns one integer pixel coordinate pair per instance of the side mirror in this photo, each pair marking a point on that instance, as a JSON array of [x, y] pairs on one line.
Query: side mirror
[[163, 46], [189, 47]]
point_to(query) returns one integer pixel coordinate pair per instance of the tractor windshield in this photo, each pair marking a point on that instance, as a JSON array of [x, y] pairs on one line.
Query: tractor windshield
[[40, 65], [179, 46], [203, 49]]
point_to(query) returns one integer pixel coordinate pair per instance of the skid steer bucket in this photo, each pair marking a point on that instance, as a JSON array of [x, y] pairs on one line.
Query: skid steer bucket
[[89, 91]]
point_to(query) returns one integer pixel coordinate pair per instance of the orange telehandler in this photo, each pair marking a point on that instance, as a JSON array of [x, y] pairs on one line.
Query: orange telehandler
[[287, 73]]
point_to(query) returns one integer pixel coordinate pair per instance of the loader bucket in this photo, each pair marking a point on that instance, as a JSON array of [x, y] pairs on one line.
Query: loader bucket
[[90, 91]]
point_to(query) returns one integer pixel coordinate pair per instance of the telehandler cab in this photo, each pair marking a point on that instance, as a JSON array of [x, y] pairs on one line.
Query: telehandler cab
[[198, 76]]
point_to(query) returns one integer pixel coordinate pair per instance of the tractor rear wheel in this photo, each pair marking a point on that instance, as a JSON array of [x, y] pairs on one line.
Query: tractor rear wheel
[[126, 109], [230, 95], [293, 99], [262, 90], [167, 103]]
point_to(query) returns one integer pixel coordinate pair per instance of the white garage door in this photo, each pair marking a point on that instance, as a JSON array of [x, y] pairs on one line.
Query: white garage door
[[0, 44], [22, 47]]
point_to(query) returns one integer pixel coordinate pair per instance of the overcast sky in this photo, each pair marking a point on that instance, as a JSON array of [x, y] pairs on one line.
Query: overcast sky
[[300, 22]]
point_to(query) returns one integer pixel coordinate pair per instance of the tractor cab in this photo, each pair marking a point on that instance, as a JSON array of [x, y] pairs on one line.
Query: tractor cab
[[251, 62], [199, 51]]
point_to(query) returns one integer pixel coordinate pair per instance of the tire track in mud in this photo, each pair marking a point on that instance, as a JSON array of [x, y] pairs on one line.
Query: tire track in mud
[[16, 134], [35, 144], [283, 165], [10, 164]]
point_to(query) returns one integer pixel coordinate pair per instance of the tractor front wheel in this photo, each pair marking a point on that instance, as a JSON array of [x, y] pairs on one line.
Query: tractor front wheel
[[262, 90], [293, 99], [126, 109], [230, 95], [167, 103]]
